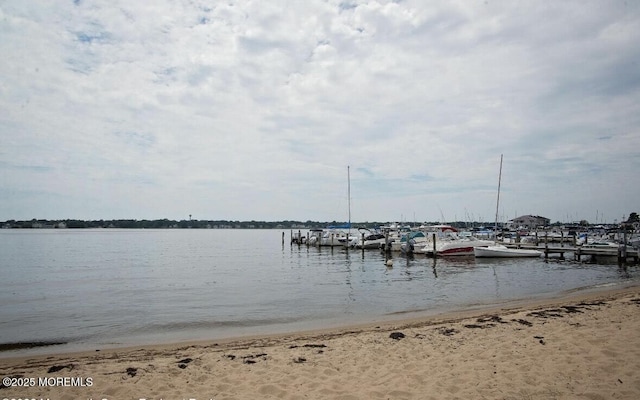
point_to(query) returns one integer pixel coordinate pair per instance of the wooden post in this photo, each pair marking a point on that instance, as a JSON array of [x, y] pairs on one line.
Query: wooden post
[[546, 245], [282, 238], [386, 241], [299, 237], [408, 246], [620, 256], [308, 237], [622, 250], [546, 239], [433, 236], [546, 252]]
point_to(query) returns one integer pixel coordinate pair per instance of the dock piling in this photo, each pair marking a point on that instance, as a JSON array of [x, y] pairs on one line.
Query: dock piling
[[546, 245], [433, 236], [622, 249]]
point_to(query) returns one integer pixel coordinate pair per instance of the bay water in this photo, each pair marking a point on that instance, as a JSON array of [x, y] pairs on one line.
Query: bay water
[[102, 288]]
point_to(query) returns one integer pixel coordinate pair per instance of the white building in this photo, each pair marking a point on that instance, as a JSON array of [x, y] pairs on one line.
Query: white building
[[528, 222]]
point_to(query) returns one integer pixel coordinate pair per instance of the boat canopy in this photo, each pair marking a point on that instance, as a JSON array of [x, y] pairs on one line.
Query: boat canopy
[[412, 235]]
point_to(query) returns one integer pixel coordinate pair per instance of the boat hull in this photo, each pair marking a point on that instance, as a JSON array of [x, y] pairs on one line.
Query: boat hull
[[504, 252], [463, 247], [371, 244]]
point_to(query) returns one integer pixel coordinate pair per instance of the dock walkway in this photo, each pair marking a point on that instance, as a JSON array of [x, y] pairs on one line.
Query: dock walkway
[[623, 254]]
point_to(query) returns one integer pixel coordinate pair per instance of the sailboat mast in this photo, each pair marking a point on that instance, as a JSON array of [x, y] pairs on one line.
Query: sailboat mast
[[498, 199], [349, 195]]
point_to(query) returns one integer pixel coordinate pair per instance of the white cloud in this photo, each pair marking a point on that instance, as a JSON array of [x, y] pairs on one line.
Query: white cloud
[[248, 110]]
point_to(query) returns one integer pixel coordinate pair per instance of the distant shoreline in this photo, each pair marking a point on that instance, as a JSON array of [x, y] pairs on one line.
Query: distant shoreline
[[173, 224], [231, 224]]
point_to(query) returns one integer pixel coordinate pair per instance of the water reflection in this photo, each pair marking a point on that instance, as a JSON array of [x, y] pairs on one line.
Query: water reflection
[[456, 280]]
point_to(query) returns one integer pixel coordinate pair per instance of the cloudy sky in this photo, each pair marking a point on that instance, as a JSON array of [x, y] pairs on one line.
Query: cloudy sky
[[254, 110]]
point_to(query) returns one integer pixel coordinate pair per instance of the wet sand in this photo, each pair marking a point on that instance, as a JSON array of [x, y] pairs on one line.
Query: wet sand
[[582, 346]]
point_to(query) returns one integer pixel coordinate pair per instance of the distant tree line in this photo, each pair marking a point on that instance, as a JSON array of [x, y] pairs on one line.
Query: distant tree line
[[174, 224], [229, 224], [208, 224]]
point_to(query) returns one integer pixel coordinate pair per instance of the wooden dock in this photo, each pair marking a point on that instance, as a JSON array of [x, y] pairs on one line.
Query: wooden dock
[[625, 255]]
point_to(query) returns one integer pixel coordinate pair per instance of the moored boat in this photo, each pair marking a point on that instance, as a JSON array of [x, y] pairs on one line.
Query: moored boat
[[333, 237], [449, 242], [504, 252], [370, 239], [327, 237], [456, 247], [410, 242]]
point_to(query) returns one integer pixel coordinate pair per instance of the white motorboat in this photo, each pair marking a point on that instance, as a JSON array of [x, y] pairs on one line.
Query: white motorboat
[[504, 252], [315, 235], [456, 247], [328, 237], [449, 242], [600, 244], [333, 237], [370, 240], [596, 242]]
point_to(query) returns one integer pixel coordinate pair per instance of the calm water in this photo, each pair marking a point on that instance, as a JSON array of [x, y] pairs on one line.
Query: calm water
[[105, 288]]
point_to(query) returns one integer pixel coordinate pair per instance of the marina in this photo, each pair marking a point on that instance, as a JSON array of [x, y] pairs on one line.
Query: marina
[[548, 244]]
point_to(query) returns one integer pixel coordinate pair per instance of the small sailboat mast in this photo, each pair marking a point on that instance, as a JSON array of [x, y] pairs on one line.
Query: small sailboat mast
[[498, 199], [349, 195]]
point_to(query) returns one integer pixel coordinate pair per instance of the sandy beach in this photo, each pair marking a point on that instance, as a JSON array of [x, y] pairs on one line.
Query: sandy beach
[[583, 346]]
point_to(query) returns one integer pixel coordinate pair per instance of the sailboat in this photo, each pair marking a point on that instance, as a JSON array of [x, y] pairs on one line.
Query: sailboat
[[499, 250], [336, 235], [348, 240]]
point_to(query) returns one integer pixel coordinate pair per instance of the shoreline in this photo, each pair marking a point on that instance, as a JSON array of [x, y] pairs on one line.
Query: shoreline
[[47, 348], [583, 344]]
